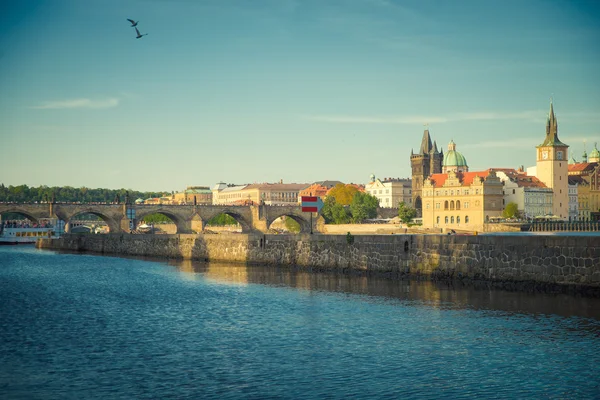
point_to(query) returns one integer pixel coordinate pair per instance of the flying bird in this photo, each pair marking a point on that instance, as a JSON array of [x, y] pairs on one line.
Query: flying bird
[[139, 35], [133, 23]]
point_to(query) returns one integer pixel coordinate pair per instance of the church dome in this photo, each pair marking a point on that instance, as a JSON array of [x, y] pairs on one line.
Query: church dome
[[454, 159]]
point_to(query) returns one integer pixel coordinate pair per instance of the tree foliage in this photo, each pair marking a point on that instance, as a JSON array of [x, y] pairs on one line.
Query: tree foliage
[[26, 194], [222, 220], [334, 213], [363, 206], [405, 212], [343, 194], [157, 218], [511, 210], [291, 225]]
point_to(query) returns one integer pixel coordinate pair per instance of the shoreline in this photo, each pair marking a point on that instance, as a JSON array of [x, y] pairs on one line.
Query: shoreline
[[533, 263]]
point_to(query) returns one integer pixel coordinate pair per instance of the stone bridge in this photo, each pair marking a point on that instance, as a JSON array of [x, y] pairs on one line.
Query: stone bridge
[[187, 218]]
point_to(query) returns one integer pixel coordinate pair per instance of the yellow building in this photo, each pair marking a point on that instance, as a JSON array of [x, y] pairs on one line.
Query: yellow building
[[461, 200], [194, 195]]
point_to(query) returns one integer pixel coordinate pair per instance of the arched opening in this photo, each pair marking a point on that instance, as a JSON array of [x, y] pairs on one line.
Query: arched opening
[[286, 224], [466, 219], [445, 204], [88, 222], [446, 219], [222, 223], [155, 223], [418, 203], [458, 204], [18, 217], [437, 220], [458, 219], [452, 204], [452, 219]]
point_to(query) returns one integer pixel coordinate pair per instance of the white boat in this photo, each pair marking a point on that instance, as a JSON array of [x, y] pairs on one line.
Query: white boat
[[20, 235]]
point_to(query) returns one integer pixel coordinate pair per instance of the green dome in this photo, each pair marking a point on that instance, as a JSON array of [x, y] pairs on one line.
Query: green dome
[[594, 153], [453, 158]]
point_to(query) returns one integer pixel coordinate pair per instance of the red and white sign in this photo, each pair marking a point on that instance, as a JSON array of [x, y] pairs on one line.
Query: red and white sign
[[311, 204]]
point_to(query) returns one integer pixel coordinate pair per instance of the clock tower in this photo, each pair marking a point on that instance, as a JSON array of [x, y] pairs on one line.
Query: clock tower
[[552, 166]]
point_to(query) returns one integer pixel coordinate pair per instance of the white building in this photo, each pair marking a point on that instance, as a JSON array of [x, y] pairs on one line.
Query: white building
[[390, 191], [531, 195]]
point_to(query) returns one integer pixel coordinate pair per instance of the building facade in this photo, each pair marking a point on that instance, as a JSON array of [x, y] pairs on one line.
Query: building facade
[[552, 167], [193, 195], [462, 200], [390, 191], [426, 162], [258, 193], [531, 195]]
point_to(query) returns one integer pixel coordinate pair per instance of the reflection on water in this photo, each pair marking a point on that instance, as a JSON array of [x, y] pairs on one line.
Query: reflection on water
[[78, 326], [433, 294]]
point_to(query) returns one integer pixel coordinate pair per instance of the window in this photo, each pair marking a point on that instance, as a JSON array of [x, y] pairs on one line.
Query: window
[[437, 205], [466, 219], [452, 205], [452, 219], [458, 219], [466, 205], [513, 191], [438, 220], [559, 155], [446, 205], [446, 219], [458, 204], [427, 206]]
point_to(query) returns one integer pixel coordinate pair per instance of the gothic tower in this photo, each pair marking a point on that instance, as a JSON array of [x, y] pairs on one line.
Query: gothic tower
[[426, 162], [552, 166]]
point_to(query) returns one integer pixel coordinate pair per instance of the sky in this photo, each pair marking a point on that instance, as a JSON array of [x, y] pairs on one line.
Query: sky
[[245, 91]]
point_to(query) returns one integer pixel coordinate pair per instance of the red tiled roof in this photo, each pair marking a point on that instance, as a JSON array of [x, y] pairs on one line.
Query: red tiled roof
[[582, 167], [466, 178]]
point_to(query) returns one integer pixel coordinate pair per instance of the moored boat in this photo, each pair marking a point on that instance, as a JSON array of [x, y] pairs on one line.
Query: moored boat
[[25, 234]]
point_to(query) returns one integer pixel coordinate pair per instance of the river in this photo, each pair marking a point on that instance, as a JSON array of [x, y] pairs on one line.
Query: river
[[77, 326]]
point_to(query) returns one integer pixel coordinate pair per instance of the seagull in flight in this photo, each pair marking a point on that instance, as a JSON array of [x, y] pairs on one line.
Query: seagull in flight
[[133, 23], [139, 35]]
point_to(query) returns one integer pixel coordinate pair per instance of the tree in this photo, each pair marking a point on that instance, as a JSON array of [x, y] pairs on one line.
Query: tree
[[343, 194], [511, 210], [291, 225], [363, 206], [405, 212], [334, 213]]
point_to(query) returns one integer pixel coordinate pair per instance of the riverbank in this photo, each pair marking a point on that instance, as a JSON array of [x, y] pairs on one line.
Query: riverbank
[[544, 263]]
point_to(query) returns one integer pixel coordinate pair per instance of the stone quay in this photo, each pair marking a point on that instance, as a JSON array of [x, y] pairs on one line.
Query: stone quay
[[531, 263]]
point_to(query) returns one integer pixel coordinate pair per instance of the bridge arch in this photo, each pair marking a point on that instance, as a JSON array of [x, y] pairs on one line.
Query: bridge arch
[[17, 210], [246, 225], [179, 222], [300, 219], [113, 226]]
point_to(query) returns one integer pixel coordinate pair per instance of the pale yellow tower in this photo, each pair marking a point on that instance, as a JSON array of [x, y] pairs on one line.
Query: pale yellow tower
[[552, 166]]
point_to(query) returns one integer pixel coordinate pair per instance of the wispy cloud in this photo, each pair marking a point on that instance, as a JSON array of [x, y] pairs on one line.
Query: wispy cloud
[[79, 103], [534, 116], [516, 143]]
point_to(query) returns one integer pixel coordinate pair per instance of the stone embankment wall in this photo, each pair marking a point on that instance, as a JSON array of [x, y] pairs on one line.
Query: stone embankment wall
[[554, 260]]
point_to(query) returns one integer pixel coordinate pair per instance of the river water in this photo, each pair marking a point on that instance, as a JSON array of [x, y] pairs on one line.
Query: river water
[[76, 326]]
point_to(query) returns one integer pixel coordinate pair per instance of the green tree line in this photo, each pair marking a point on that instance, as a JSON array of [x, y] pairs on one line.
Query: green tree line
[[25, 194]]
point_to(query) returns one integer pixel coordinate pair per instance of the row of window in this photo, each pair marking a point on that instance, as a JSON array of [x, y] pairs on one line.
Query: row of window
[[450, 205], [450, 219]]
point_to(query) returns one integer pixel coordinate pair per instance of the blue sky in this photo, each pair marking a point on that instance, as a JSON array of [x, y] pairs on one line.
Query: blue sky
[[245, 91]]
